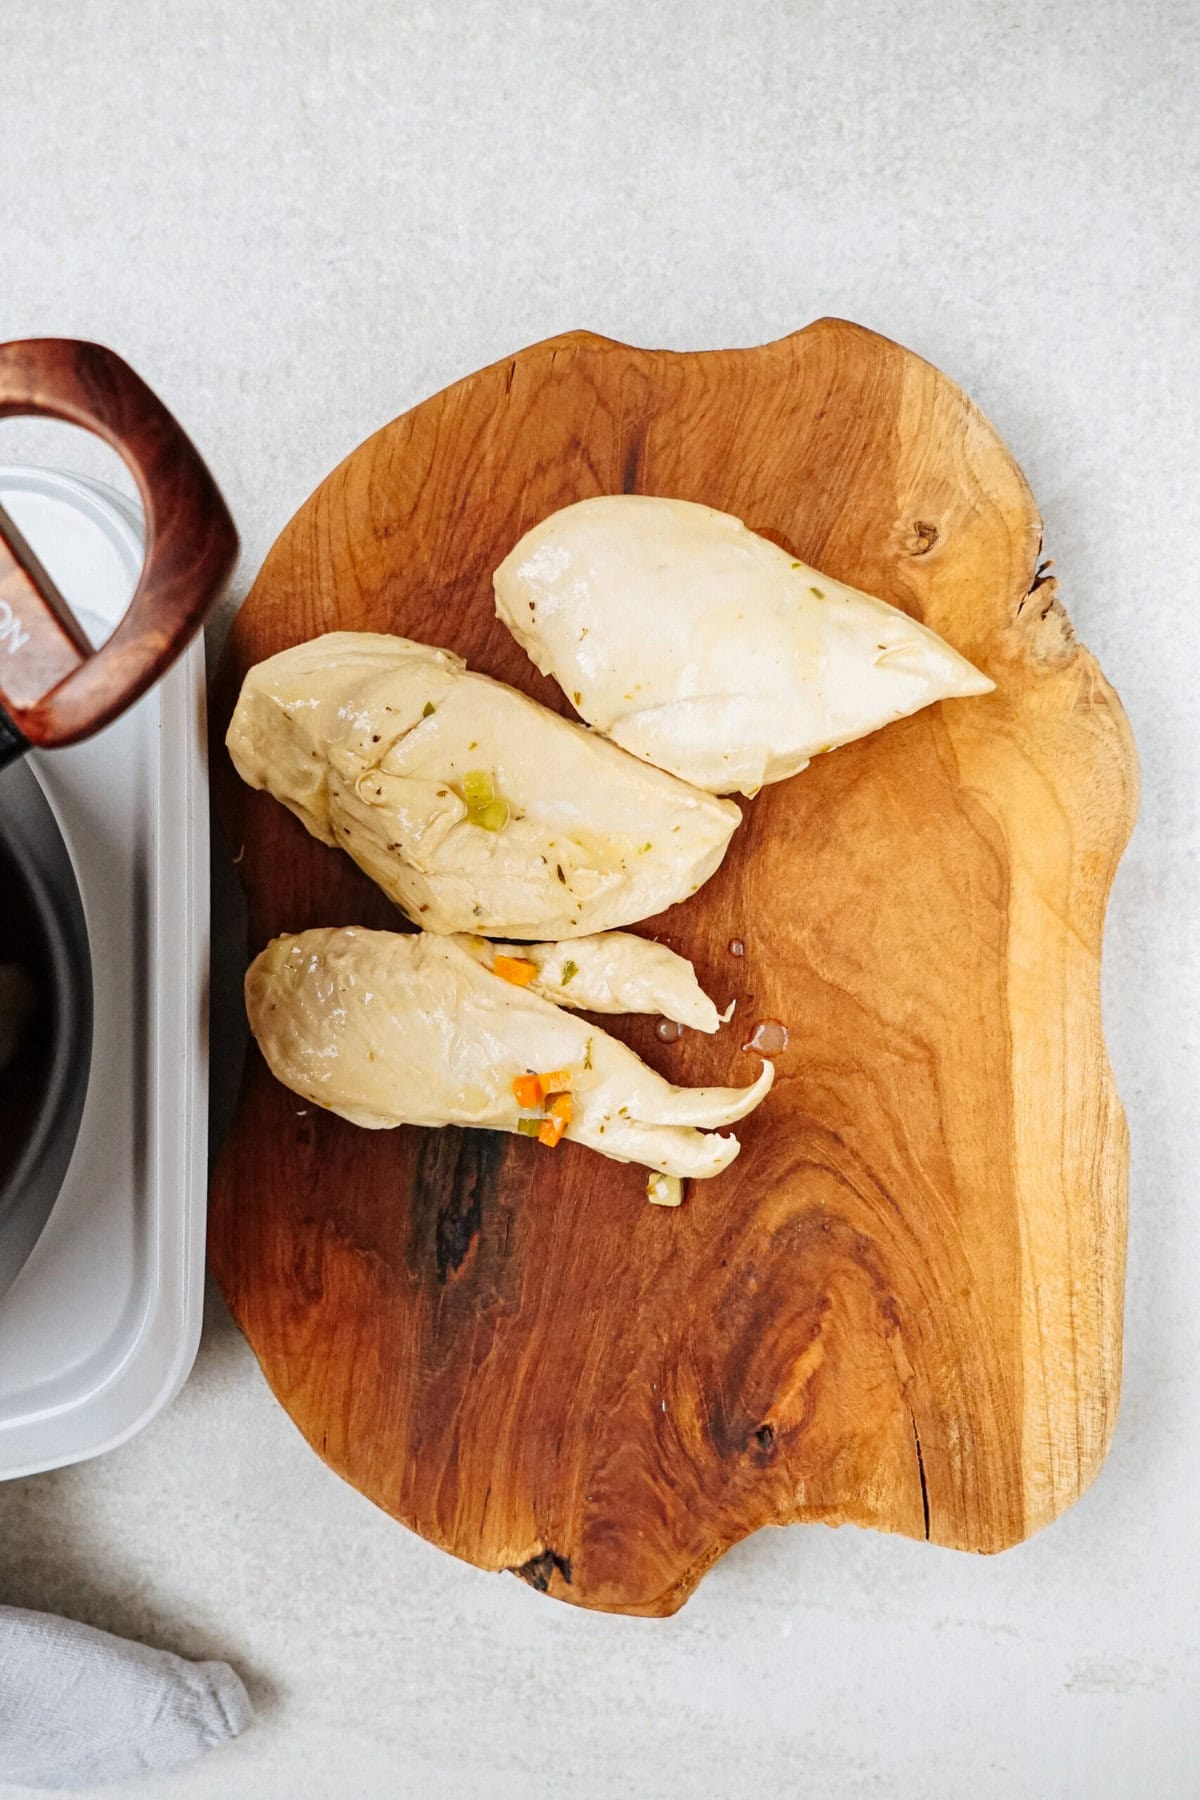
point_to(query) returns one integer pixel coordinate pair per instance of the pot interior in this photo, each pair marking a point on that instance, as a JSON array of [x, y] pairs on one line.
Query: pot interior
[[43, 935]]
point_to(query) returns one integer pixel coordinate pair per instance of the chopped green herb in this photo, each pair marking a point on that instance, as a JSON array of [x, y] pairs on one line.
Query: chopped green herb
[[818, 592], [644, 849], [428, 710], [797, 565], [577, 696], [587, 1055], [569, 971]]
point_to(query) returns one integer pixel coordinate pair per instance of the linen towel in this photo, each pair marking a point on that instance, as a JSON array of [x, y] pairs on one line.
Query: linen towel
[[79, 1707]]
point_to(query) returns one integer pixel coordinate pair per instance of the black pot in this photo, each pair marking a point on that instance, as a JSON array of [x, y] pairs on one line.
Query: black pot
[[55, 690], [42, 1090]]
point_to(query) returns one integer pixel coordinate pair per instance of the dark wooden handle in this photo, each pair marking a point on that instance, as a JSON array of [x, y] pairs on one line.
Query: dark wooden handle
[[53, 687]]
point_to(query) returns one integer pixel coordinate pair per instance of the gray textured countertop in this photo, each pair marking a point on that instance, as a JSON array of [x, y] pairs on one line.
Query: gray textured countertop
[[296, 220]]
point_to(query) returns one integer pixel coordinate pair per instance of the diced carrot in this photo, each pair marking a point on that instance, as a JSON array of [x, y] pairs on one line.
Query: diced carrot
[[559, 1081], [516, 969], [529, 1091], [559, 1107], [551, 1131]]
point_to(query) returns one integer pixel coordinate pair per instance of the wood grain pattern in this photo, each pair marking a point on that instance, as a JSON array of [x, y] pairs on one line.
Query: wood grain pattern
[[53, 689], [901, 1307]]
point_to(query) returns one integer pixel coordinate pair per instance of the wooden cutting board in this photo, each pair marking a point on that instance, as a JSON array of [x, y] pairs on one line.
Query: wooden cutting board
[[901, 1307]]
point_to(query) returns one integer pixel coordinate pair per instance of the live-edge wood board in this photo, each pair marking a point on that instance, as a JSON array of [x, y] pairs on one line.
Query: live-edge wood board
[[901, 1307]]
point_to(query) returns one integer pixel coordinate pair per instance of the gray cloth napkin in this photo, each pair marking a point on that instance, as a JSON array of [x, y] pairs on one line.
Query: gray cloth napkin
[[79, 1707]]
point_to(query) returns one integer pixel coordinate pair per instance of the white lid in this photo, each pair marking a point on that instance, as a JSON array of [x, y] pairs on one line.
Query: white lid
[[87, 538], [100, 1328]]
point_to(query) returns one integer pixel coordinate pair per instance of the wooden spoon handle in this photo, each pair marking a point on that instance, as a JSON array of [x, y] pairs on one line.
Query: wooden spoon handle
[[54, 689]]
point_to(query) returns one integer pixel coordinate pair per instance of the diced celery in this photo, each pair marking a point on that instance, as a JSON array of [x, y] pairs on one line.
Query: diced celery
[[493, 817], [477, 789]]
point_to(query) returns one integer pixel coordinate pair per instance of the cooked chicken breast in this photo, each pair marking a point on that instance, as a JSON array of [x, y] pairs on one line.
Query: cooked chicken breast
[[474, 808], [708, 651], [614, 972], [405, 1028]]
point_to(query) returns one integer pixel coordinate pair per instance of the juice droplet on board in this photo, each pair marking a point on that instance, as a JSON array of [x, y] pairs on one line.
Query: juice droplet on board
[[736, 947], [769, 1037], [669, 1030]]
